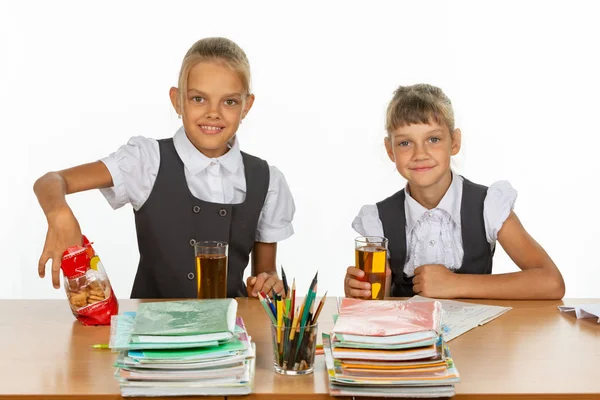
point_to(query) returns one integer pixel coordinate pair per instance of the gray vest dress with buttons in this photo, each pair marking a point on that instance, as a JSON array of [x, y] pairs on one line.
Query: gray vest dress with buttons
[[478, 253], [172, 220]]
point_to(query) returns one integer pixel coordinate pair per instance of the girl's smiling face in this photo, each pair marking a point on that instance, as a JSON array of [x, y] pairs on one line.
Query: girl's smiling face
[[213, 106], [422, 152]]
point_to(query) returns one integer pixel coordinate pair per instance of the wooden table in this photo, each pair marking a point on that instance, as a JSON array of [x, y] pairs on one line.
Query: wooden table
[[533, 351]]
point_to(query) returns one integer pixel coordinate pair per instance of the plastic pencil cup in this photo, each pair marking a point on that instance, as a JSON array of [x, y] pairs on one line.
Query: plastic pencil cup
[[294, 349]]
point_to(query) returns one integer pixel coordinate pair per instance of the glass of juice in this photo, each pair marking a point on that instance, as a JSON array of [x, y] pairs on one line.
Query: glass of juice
[[371, 256], [211, 269]]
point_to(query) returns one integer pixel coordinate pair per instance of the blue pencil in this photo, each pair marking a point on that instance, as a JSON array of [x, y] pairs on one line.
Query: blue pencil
[[272, 306]]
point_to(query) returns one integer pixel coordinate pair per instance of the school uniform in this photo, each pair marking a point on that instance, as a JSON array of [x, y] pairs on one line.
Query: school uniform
[[460, 233], [181, 197]]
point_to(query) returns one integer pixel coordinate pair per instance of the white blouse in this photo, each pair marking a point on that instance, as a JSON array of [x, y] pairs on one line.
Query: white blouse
[[434, 236], [134, 168]]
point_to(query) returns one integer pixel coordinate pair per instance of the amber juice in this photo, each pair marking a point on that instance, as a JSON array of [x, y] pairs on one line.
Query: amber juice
[[371, 260], [211, 274]]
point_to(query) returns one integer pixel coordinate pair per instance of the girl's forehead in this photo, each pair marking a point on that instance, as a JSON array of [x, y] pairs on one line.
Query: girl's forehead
[[421, 128], [213, 75]]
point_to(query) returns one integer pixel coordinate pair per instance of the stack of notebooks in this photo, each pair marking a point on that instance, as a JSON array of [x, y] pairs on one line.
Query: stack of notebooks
[[183, 348], [389, 349]]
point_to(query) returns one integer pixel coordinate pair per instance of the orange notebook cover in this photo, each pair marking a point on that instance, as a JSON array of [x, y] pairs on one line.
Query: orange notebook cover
[[387, 317]]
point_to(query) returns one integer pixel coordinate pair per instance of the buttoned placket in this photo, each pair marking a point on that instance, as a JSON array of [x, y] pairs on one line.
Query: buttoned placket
[[215, 182]]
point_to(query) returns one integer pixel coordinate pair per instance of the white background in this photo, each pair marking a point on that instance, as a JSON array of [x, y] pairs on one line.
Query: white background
[[77, 79]]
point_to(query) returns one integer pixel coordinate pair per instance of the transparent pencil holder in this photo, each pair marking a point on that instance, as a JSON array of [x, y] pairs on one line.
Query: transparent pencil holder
[[294, 350]]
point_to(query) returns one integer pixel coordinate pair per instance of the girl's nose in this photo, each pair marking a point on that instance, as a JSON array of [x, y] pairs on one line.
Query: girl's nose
[[420, 152], [213, 112]]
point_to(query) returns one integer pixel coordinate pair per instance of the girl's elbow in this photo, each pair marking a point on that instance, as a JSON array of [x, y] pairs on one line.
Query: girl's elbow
[[41, 181], [561, 289], [557, 289]]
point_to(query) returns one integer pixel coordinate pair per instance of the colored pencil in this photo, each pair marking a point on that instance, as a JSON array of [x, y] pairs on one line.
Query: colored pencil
[[286, 288], [319, 308], [293, 322]]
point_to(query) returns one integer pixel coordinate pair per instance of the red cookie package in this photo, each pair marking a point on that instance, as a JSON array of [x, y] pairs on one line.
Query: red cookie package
[[91, 297]]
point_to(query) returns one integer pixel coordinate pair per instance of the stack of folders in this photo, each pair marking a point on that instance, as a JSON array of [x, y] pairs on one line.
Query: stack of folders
[[389, 349], [183, 348]]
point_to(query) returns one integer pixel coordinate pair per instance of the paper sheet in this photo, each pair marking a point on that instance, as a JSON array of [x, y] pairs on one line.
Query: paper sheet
[[459, 317], [583, 310]]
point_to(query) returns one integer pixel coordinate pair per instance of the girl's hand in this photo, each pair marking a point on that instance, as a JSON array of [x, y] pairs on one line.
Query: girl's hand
[[354, 287], [63, 232], [435, 280], [264, 282]]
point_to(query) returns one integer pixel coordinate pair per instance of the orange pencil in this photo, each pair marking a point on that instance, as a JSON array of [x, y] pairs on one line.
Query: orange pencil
[[321, 303]]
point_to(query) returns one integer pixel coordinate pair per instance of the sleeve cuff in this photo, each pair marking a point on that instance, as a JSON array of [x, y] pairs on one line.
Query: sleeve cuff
[[274, 235], [367, 222], [115, 195], [497, 206]]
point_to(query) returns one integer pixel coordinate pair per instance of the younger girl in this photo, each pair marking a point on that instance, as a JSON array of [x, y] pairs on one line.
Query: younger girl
[[442, 228], [195, 186]]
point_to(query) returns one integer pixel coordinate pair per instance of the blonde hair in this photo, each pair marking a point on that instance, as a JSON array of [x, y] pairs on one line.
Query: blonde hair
[[216, 49], [419, 104]]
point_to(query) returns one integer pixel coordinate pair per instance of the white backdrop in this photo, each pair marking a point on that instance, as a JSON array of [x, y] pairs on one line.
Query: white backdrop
[[77, 79]]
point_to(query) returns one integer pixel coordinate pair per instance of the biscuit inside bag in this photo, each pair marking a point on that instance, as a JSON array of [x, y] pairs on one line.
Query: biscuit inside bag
[[90, 294]]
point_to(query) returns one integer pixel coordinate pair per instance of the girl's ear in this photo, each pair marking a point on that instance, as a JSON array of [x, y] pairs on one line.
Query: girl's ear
[[247, 105], [388, 147], [456, 142], [174, 95]]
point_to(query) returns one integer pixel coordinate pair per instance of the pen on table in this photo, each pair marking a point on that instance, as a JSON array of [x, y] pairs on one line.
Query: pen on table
[[319, 350], [99, 346]]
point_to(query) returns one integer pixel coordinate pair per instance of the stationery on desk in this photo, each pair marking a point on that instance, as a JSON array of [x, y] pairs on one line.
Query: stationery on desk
[[459, 317], [294, 326], [583, 310], [389, 348], [179, 348]]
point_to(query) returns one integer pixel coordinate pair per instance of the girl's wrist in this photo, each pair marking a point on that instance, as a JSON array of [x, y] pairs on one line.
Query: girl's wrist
[[461, 288], [57, 212]]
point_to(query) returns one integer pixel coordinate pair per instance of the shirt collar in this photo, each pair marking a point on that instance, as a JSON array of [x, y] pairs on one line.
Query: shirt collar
[[197, 162], [450, 203]]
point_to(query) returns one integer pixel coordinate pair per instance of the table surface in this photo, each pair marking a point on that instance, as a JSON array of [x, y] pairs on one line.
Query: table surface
[[532, 351]]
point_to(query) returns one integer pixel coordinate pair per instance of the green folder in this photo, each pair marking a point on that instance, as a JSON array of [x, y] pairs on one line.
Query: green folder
[[187, 317], [234, 345]]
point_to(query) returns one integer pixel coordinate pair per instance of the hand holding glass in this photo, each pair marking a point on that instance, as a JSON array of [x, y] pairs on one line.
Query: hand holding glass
[[371, 256]]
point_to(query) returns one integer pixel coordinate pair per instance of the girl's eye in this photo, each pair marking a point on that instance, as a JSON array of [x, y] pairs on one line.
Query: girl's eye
[[197, 99], [230, 102], [434, 139], [403, 144]]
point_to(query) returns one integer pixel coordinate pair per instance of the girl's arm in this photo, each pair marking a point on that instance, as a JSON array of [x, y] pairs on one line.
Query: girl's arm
[[52, 188], [63, 228], [539, 278], [264, 271]]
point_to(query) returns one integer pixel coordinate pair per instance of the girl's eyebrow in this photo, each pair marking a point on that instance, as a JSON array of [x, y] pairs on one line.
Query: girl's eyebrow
[[204, 94], [434, 131], [402, 135]]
